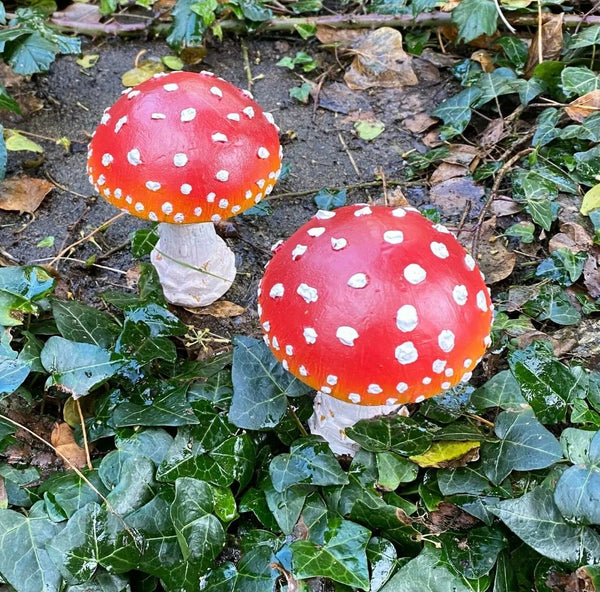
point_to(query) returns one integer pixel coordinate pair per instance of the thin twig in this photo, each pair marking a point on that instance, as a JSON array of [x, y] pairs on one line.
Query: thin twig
[[347, 151], [540, 37], [296, 419], [481, 419], [503, 18], [246, 60], [86, 445]]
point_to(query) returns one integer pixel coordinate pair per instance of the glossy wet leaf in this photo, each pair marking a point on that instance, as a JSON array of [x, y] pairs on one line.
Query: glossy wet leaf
[[394, 470], [260, 386], [23, 551], [402, 435], [551, 303], [309, 461], [20, 288], [77, 368], [137, 342], [342, 556], [12, 374], [82, 323], [441, 454], [152, 443], [160, 321], [136, 485], [502, 390], [455, 112], [579, 81], [475, 18], [536, 520], [576, 444], [143, 241], [326, 199], [524, 444], [563, 266], [286, 506], [470, 479], [382, 555]]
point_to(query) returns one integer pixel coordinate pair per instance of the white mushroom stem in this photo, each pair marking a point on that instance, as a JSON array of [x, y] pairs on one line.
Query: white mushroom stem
[[194, 264], [332, 416]]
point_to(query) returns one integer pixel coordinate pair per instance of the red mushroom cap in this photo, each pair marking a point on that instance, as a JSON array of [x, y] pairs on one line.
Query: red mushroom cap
[[184, 148], [375, 305]]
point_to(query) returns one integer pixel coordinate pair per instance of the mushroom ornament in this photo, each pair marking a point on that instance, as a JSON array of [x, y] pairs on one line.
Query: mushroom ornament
[[373, 307], [186, 150]]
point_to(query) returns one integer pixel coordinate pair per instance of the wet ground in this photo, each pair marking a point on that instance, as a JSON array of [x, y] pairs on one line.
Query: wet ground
[[321, 149]]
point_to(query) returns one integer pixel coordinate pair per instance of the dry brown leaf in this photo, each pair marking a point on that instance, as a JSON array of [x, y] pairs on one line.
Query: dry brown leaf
[[448, 516], [63, 440], [462, 154], [419, 122], [572, 236], [452, 196], [552, 43], [583, 106], [337, 97], [505, 206], [432, 139], [23, 194], [394, 198], [87, 19], [591, 274], [339, 37], [447, 171], [132, 277], [3, 495], [494, 259], [585, 334], [380, 62], [222, 309], [484, 58], [493, 133]]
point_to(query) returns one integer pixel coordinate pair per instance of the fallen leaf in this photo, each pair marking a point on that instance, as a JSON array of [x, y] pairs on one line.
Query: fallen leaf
[[86, 19], [454, 195], [583, 106], [493, 133], [572, 236], [88, 60], [591, 274], [142, 72], [71, 413], [505, 206], [585, 336], [221, 309], [591, 200], [515, 4], [380, 61], [448, 516], [419, 123], [551, 41], [484, 58], [337, 97], [432, 139], [369, 130], [447, 171], [394, 199], [17, 142], [337, 37], [23, 194], [462, 154], [494, 259], [63, 440], [447, 454]]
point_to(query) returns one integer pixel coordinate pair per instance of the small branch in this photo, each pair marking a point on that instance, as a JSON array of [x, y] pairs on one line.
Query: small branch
[[86, 445]]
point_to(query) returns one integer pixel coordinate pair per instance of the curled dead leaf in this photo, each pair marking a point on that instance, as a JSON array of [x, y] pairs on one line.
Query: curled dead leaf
[[222, 309], [551, 39], [572, 236], [63, 440], [447, 171], [583, 106], [419, 122], [454, 195], [495, 260], [23, 194], [591, 273]]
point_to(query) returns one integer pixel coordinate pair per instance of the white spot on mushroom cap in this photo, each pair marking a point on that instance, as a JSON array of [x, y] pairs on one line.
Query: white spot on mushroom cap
[[248, 111], [277, 291], [331, 379], [438, 366], [197, 211], [446, 385], [188, 114], [402, 387], [481, 301], [364, 211], [460, 294], [185, 188], [134, 157], [406, 353], [106, 192], [152, 216], [210, 197], [468, 362], [107, 159], [354, 397], [158, 116], [222, 175], [120, 124], [223, 203], [414, 273], [275, 342], [337, 244], [153, 185], [219, 137], [420, 399], [118, 193], [180, 159], [263, 152], [358, 280], [324, 214], [266, 326], [285, 365], [469, 262], [170, 87], [215, 90], [303, 371], [248, 194], [441, 228], [426, 380], [446, 340], [167, 208], [247, 93], [139, 207], [487, 341], [439, 250], [449, 372], [308, 293], [129, 199], [407, 318], [374, 389], [269, 117], [315, 231], [466, 377], [105, 118], [347, 335], [261, 183], [325, 389], [394, 237], [298, 251], [132, 94], [399, 212], [289, 350], [233, 116], [101, 180], [310, 335]]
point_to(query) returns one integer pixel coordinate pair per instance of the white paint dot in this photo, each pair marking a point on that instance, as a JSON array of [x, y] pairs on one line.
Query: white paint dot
[[186, 189], [105, 118], [446, 340], [401, 387], [167, 208], [188, 114], [171, 87], [466, 377], [118, 193], [275, 343], [354, 397], [374, 389], [158, 116], [407, 318], [134, 157], [248, 194], [139, 207], [210, 197], [308, 293], [441, 228], [399, 212], [358, 280], [197, 211], [303, 371], [263, 153], [298, 251], [120, 124], [247, 93], [337, 244], [129, 199], [107, 159], [449, 372], [101, 180], [324, 214], [222, 175], [481, 301], [426, 380], [325, 389], [315, 231], [394, 237], [420, 399], [215, 90], [223, 203], [467, 363], [310, 335], [347, 335], [233, 116], [248, 111], [180, 159], [277, 291], [414, 273], [235, 209], [469, 262], [178, 218], [152, 216], [460, 295], [406, 353], [106, 192], [289, 350], [487, 341], [261, 183], [439, 250], [438, 366], [153, 185], [258, 197], [219, 137], [133, 94], [446, 385], [365, 211], [391, 401], [285, 365], [331, 379]]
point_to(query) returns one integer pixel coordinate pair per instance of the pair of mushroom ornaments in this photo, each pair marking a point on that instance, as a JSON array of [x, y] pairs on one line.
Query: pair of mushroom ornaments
[[372, 306]]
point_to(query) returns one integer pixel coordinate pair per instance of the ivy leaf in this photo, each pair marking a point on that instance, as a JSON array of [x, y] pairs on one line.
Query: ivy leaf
[[579, 81], [502, 390], [469, 479], [12, 374], [260, 386], [475, 18], [563, 266], [455, 111], [342, 556], [536, 520], [494, 84], [547, 127], [525, 444], [143, 241], [30, 54], [309, 461], [515, 50], [382, 556], [584, 38], [553, 304], [188, 27], [325, 199], [286, 506], [23, 552], [136, 342]]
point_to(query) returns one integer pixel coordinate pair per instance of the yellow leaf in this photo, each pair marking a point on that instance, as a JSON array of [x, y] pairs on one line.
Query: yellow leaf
[[172, 62], [16, 142], [88, 60], [142, 72], [591, 200], [445, 454]]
